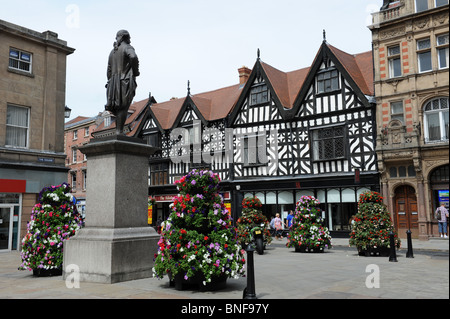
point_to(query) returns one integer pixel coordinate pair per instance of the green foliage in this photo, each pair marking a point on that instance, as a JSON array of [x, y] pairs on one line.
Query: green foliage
[[372, 224], [252, 216], [307, 230], [198, 236], [53, 220]]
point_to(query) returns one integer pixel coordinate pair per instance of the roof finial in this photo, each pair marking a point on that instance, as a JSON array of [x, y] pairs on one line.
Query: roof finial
[[189, 87], [324, 36], [258, 54]]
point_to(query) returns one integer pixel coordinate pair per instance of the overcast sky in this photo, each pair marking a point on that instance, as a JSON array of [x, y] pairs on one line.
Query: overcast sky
[[203, 41]]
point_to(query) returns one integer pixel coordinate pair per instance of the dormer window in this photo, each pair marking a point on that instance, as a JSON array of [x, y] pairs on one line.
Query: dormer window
[[259, 94], [328, 81]]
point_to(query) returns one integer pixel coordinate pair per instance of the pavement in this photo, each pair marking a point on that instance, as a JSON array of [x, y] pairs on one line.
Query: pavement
[[281, 273]]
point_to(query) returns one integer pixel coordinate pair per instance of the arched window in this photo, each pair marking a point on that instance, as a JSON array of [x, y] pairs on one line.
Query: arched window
[[436, 120]]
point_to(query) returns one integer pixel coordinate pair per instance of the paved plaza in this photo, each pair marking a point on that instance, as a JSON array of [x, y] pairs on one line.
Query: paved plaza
[[280, 273]]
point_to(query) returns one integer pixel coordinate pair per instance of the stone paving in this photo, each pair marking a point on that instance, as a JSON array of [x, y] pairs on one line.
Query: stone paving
[[280, 273]]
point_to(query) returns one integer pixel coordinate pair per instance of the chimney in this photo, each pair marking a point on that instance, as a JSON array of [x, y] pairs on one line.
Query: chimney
[[244, 74]]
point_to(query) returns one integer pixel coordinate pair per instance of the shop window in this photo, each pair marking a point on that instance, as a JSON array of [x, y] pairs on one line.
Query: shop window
[[436, 120]]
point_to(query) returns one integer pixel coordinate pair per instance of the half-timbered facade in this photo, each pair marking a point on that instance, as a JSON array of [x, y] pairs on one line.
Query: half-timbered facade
[[276, 136]]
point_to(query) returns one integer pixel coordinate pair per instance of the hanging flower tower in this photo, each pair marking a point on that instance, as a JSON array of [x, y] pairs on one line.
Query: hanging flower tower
[[53, 220], [307, 233], [252, 216], [372, 227], [198, 244]]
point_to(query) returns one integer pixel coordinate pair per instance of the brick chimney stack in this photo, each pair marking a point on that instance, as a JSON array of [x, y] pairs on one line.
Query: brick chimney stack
[[244, 74]]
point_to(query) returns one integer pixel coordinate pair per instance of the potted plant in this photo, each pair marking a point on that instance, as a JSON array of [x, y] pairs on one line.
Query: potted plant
[[198, 244], [252, 216], [53, 220], [372, 227], [307, 232]]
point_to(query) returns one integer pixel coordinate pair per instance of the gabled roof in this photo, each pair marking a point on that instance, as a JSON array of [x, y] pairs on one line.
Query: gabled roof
[[286, 85], [289, 88], [359, 67], [133, 121], [213, 105]]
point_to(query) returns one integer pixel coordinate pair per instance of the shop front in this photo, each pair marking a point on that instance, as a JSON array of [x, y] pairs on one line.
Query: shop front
[[338, 199], [9, 221]]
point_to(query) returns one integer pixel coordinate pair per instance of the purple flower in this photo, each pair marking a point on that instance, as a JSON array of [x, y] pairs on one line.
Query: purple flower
[[193, 182]]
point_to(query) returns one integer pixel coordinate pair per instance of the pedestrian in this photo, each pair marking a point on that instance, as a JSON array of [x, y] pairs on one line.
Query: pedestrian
[[278, 226], [289, 219], [272, 225], [442, 216]]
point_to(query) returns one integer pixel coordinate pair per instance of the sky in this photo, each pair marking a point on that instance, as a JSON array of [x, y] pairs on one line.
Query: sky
[[204, 42]]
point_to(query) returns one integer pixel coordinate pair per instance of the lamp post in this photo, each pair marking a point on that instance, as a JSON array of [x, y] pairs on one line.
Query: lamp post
[[67, 112]]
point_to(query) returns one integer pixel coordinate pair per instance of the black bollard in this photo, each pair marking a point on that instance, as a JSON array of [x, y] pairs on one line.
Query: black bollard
[[409, 253], [249, 291], [393, 255]]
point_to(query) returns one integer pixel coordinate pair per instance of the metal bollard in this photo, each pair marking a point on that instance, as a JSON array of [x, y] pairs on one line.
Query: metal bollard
[[393, 255], [249, 291], [409, 253]]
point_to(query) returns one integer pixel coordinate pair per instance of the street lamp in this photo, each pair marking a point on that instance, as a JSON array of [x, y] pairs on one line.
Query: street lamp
[[67, 112]]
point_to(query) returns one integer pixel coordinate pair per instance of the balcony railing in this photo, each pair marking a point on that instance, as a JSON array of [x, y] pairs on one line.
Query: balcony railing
[[392, 12]]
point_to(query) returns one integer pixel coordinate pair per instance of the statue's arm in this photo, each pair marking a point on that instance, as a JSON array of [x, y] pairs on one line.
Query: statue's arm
[[134, 61]]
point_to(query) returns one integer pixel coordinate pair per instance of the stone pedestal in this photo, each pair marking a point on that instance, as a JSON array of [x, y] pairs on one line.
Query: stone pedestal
[[116, 244]]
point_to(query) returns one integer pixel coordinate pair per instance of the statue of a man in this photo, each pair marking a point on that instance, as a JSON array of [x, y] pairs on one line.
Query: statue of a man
[[123, 68]]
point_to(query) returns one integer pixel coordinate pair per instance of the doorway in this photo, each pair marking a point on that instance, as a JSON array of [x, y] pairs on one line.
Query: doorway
[[406, 213], [6, 227]]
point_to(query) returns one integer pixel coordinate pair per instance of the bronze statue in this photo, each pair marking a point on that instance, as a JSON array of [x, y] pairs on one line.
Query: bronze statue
[[123, 68]]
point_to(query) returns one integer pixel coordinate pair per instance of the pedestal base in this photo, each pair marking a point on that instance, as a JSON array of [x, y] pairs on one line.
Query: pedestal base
[[106, 255]]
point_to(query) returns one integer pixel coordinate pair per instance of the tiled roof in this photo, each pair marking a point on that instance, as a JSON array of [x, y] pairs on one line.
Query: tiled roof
[[218, 104]]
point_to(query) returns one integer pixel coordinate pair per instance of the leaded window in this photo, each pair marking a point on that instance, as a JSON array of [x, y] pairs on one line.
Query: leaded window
[[329, 143], [259, 94], [328, 81]]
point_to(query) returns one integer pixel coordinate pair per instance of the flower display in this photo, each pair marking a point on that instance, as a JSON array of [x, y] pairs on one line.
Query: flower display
[[307, 232], [198, 238], [53, 220], [252, 216], [372, 224]]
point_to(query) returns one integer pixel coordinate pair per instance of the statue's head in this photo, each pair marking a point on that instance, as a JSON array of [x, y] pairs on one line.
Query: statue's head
[[123, 36]]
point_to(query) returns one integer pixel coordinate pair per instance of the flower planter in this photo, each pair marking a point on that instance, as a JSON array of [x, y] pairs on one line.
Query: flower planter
[[374, 252], [196, 282], [305, 249], [47, 272]]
